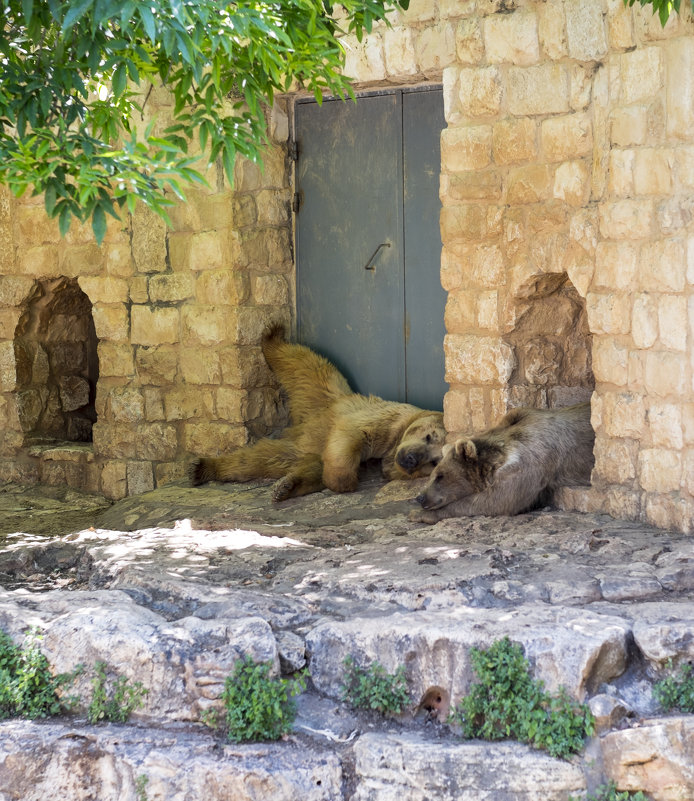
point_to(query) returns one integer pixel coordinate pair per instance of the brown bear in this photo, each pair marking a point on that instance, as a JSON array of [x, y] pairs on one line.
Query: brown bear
[[333, 430], [512, 468]]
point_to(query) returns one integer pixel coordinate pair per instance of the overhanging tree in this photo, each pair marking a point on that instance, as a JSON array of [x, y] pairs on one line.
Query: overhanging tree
[[75, 77]]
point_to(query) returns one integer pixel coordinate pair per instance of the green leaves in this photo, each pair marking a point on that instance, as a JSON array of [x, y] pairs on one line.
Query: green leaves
[[506, 702], [258, 706], [69, 70], [113, 700], [28, 688], [676, 691], [374, 688], [663, 8]]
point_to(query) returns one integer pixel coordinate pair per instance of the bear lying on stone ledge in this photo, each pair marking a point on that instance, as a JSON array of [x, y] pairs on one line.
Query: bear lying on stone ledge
[[512, 468], [332, 431]]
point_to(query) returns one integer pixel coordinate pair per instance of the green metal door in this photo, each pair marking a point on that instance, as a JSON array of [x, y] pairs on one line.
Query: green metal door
[[368, 244]]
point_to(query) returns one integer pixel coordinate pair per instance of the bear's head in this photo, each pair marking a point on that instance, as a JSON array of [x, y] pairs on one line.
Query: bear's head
[[419, 449], [467, 467]]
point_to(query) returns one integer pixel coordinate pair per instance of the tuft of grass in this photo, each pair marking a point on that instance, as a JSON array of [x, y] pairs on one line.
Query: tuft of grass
[[374, 688], [116, 702], [508, 703], [258, 706]]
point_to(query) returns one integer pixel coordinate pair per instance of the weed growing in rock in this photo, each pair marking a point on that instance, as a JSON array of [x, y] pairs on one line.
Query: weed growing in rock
[[27, 687], [676, 692], [141, 787], [609, 792], [258, 706], [374, 688], [115, 703], [507, 702]]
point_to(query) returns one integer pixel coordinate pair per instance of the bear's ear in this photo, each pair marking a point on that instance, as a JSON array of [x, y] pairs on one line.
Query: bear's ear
[[465, 450], [446, 449]]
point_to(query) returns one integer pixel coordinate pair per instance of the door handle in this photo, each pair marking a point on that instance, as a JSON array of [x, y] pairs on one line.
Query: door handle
[[369, 264]]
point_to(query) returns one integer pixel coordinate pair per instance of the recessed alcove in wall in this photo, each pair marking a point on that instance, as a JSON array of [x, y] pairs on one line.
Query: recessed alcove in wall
[[552, 343], [57, 365]]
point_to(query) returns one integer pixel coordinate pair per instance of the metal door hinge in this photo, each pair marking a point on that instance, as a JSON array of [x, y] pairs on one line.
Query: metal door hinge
[[293, 150], [296, 202]]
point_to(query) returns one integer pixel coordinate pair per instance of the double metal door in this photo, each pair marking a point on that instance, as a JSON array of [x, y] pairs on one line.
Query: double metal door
[[369, 295]]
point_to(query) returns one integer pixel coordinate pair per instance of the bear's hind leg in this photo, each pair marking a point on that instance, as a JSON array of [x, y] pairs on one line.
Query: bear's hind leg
[[306, 476], [267, 458], [341, 460]]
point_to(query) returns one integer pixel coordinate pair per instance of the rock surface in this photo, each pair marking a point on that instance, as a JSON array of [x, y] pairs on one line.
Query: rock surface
[[170, 588]]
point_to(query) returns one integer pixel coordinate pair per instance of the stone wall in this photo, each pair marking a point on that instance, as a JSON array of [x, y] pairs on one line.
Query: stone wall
[[567, 174], [568, 156], [177, 314]]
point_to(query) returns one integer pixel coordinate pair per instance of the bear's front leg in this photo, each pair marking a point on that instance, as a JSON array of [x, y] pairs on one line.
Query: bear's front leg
[[424, 516], [341, 459]]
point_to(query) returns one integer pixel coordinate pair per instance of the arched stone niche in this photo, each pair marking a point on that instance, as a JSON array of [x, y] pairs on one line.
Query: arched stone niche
[[57, 365], [552, 344]]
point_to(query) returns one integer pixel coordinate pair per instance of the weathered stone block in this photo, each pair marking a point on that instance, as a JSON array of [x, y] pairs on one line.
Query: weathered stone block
[[615, 460], [480, 91], [641, 74], [468, 41], [435, 48], [111, 322], [672, 321], [514, 140], [140, 477], [585, 29], [399, 52], [530, 184], [665, 373], [153, 326], [466, 149], [572, 183], [148, 240], [270, 290], [566, 137], [665, 425], [156, 365], [171, 287], [662, 266], [608, 313], [623, 414], [679, 59], [552, 30], [512, 38], [204, 325], [610, 360], [543, 89], [200, 366], [626, 219], [653, 171], [477, 360], [365, 60], [213, 439], [126, 404], [184, 403], [660, 470], [629, 126], [104, 289]]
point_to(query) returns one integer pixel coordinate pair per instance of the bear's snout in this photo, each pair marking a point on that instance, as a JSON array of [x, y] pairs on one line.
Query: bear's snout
[[408, 461]]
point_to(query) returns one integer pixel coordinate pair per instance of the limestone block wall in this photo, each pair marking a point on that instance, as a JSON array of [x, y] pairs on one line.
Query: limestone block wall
[[177, 314], [568, 158]]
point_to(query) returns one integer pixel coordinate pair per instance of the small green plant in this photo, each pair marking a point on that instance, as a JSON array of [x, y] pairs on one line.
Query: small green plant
[[507, 703], [141, 787], [676, 692], [28, 688], [609, 792], [115, 703], [374, 688], [258, 706]]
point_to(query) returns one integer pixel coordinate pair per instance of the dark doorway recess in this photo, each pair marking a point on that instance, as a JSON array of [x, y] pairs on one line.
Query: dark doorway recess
[[369, 294]]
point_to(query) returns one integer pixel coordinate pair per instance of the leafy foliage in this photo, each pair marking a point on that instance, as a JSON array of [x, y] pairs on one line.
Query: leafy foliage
[[663, 8], [259, 707], [374, 688], [676, 692], [75, 76], [27, 687], [115, 703], [609, 792], [506, 702]]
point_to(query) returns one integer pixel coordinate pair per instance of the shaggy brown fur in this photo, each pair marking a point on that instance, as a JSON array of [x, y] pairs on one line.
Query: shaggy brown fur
[[511, 468], [332, 431]]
